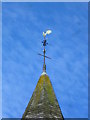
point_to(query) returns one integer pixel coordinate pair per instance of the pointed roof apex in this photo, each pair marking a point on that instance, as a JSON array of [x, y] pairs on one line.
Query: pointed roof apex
[[44, 73]]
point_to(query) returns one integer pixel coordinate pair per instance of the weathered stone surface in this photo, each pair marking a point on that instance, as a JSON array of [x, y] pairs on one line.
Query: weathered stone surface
[[43, 103]]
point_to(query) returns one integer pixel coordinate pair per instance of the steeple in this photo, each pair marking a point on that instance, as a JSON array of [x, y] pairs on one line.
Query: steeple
[[43, 103]]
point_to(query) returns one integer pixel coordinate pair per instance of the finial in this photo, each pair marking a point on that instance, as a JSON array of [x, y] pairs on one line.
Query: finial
[[44, 50], [44, 44]]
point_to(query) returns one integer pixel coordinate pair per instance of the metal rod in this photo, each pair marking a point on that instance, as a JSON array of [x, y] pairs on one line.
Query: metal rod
[[44, 51]]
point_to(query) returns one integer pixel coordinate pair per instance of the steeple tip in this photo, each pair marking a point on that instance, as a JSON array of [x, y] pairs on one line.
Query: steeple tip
[[44, 73]]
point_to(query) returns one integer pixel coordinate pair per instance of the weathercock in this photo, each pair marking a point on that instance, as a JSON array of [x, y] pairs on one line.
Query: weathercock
[[47, 32]]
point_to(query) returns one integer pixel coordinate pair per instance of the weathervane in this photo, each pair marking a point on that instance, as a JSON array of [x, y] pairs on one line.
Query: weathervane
[[44, 51]]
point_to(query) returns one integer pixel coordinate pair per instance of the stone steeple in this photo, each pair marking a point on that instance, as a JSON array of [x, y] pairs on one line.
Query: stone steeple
[[43, 103]]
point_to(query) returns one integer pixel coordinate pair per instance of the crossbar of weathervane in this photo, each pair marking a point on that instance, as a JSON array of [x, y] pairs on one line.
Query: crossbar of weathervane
[[43, 56]]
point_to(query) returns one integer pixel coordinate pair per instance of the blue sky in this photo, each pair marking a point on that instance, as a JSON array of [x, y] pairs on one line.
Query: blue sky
[[22, 27]]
